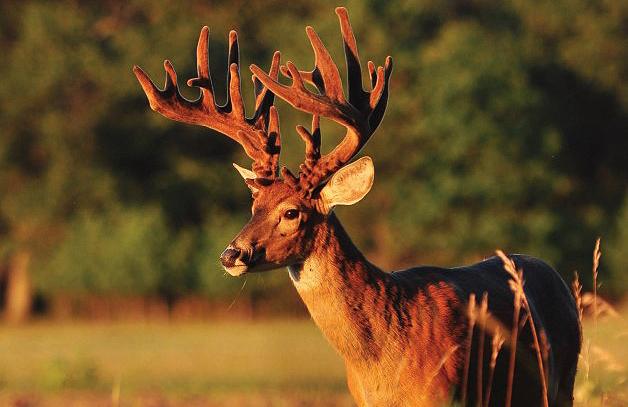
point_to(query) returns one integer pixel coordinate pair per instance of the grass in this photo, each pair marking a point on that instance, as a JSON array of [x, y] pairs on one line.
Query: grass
[[229, 361], [267, 363], [606, 383], [272, 363]]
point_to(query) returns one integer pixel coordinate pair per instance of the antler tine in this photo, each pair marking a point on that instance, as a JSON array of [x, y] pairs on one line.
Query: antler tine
[[258, 135], [263, 97], [234, 97], [360, 115], [312, 77], [354, 71], [380, 92], [312, 143], [204, 79], [270, 168]]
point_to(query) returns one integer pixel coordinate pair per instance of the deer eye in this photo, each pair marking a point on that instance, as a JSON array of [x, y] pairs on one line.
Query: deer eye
[[291, 214]]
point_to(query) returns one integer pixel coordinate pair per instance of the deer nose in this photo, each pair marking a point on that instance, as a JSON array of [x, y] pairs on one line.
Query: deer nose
[[229, 256]]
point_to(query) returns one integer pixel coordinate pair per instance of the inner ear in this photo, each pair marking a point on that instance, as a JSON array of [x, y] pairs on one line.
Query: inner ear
[[349, 184]]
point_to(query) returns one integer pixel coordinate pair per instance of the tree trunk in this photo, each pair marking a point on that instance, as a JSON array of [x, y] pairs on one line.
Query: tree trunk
[[18, 295]]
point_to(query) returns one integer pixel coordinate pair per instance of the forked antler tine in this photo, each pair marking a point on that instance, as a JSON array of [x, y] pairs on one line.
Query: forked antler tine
[[297, 79], [299, 97], [372, 73], [148, 86], [259, 135], [377, 88], [378, 103], [266, 120], [312, 143], [354, 71], [360, 114], [204, 79], [171, 77], [312, 77], [233, 58], [268, 147], [325, 75], [168, 102]]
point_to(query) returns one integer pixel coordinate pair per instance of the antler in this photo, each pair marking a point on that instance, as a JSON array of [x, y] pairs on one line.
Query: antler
[[258, 135], [360, 114]]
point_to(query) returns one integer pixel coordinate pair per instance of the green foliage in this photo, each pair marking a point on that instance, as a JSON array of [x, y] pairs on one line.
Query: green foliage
[[506, 128], [115, 252], [477, 149]]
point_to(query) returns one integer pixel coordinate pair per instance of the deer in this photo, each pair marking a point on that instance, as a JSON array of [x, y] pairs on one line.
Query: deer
[[402, 334]]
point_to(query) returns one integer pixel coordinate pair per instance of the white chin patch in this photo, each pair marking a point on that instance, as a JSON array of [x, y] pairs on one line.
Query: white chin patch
[[236, 270]]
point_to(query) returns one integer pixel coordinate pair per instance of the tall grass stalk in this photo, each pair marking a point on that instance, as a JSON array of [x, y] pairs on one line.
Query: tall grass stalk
[[584, 359], [596, 262], [440, 365], [471, 313], [514, 331], [577, 289], [496, 345], [516, 285], [482, 324]]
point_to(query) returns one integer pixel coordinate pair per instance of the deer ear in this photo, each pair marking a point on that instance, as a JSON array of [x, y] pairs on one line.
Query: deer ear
[[248, 176], [349, 184]]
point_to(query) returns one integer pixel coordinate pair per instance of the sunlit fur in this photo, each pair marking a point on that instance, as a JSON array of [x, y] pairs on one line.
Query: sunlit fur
[[403, 334], [271, 240]]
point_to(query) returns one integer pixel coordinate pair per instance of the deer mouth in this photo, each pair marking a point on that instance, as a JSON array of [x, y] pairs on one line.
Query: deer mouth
[[256, 265], [240, 269], [237, 262], [237, 270]]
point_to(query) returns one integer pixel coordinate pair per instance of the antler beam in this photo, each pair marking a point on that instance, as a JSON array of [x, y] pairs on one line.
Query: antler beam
[[258, 135], [360, 114]]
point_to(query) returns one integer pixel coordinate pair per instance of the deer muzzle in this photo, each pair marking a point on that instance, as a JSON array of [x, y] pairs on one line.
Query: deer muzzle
[[238, 261], [232, 260]]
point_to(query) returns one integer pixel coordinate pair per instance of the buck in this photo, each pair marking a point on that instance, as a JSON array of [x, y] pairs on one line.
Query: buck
[[403, 335]]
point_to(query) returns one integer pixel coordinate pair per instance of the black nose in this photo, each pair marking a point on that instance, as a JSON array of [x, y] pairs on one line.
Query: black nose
[[229, 256]]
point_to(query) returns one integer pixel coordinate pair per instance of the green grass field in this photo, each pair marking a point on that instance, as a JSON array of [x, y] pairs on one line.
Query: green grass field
[[217, 360], [273, 363]]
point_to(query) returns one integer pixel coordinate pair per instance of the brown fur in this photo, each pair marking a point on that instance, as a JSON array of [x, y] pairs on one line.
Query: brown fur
[[403, 334]]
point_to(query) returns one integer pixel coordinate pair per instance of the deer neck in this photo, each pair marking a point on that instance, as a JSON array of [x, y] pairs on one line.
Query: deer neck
[[334, 282]]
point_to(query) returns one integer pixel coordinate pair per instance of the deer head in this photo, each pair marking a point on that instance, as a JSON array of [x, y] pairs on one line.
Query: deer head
[[287, 210]]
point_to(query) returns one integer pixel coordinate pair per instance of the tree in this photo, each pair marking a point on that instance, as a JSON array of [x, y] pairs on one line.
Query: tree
[[506, 128]]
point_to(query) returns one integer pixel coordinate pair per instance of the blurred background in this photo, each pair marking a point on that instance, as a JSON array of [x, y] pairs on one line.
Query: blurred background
[[507, 128]]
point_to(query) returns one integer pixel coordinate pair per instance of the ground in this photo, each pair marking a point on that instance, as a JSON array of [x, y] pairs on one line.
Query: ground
[[281, 363]]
